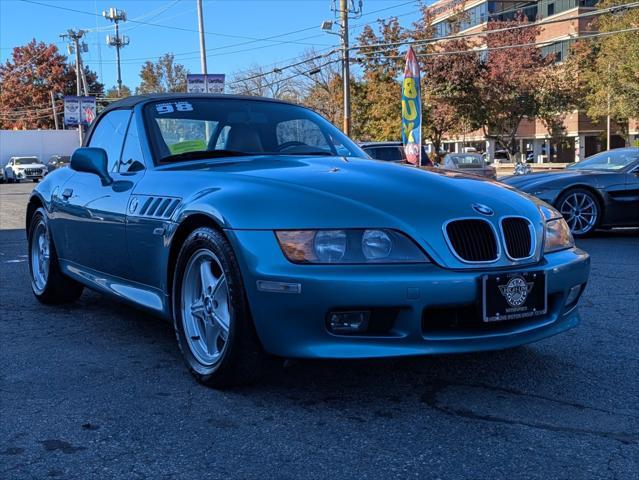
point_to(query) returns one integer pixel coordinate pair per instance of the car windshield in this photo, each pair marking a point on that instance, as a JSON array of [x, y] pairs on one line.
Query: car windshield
[[467, 160], [609, 160], [26, 160], [62, 159], [203, 128]]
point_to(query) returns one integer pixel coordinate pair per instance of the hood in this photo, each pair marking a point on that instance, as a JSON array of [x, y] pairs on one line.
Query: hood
[[333, 192], [533, 181]]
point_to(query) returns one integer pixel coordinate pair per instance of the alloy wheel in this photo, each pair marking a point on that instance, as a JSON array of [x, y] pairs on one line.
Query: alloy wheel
[[40, 256], [206, 313], [580, 211]]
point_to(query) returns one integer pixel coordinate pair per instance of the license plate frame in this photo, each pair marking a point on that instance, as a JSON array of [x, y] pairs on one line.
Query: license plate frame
[[503, 292]]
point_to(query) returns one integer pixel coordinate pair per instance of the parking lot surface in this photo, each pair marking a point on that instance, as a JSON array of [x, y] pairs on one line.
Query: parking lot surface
[[99, 390]]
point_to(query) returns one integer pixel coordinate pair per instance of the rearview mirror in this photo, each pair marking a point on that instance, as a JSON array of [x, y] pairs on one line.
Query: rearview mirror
[[92, 160]]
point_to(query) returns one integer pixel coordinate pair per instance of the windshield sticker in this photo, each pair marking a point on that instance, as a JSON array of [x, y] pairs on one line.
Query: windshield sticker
[[163, 108]]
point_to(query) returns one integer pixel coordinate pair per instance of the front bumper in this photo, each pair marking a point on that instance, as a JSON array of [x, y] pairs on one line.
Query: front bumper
[[294, 324], [22, 175]]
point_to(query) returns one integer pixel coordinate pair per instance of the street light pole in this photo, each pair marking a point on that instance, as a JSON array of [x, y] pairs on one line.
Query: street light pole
[[200, 25]]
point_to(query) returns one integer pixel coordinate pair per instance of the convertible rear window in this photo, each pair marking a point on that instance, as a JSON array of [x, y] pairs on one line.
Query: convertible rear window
[[190, 128]]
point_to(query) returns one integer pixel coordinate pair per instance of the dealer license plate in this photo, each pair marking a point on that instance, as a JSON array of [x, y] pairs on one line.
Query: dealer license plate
[[514, 296]]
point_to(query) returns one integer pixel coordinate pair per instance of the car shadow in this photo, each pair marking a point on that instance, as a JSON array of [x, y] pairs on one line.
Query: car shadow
[[629, 232]]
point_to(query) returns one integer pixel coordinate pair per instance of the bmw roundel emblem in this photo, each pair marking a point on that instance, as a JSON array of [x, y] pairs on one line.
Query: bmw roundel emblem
[[133, 205], [483, 209]]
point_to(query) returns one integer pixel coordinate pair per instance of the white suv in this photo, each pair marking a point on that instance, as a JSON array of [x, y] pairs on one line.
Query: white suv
[[24, 168]]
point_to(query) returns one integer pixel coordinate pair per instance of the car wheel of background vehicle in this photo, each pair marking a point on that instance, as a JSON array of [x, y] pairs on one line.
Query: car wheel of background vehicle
[[581, 209], [212, 320], [49, 284], [36, 180]]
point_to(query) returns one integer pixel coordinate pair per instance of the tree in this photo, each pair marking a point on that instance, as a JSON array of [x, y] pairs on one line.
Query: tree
[[321, 84], [449, 81], [162, 76], [27, 80], [114, 93], [610, 67], [509, 79], [381, 88], [257, 81]]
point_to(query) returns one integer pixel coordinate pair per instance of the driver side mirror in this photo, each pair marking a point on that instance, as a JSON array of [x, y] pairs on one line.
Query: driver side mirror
[[92, 160]]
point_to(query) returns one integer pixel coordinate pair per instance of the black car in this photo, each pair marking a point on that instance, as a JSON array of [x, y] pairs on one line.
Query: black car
[[601, 191], [58, 161], [391, 152]]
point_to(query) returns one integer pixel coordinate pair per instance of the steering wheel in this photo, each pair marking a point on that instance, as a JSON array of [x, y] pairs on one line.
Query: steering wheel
[[289, 145]]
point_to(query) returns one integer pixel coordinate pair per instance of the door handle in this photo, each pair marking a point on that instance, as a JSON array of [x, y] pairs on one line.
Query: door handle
[[66, 194]]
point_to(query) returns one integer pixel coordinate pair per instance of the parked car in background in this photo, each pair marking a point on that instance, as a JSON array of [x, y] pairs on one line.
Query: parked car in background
[[500, 156], [266, 241], [391, 152], [469, 163], [58, 161], [600, 191], [24, 168]]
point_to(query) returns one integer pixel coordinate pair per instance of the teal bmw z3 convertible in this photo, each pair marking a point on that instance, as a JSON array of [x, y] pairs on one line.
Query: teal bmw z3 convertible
[[259, 229]]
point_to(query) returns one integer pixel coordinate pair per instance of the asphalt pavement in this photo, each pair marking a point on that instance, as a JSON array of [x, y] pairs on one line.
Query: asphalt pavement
[[98, 390]]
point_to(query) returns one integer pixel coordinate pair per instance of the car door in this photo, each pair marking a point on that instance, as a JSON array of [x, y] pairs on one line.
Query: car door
[[622, 189], [630, 212], [94, 215]]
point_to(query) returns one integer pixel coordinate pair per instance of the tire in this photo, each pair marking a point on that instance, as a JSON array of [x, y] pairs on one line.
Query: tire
[[211, 315], [36, 180], [49, 285], [581, 209]]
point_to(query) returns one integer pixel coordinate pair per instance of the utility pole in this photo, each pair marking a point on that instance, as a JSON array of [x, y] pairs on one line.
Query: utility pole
[[75, 37], [200, 26], [347, 10], [55, 114], [116, 16], [343, 13], [608, 116]]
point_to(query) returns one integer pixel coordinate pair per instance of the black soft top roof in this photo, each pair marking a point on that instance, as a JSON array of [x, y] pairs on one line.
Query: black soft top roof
[[130, 102]]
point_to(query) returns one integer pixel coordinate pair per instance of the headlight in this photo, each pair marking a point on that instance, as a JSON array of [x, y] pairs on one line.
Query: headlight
[[558, 236], [352, 246]]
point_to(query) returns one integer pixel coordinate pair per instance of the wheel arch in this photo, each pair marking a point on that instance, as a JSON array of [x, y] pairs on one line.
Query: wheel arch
[[35, 202], [182, 231]]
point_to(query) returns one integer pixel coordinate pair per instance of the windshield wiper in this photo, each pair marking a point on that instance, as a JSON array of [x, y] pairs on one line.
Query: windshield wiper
[[204, 154]]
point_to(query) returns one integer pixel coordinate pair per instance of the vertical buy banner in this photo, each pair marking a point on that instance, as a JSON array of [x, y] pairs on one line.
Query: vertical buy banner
[[412, 110]]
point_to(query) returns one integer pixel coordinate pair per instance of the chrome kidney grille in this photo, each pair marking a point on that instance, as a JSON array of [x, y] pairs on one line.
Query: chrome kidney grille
[[518, 237], [475, 240], [472, 240]]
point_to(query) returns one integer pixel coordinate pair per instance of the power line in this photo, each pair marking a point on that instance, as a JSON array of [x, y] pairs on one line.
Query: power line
[[170, 27], [518, 45], [613, 9]]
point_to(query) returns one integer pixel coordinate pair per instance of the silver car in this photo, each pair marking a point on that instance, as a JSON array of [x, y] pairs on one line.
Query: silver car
[[469, 163]]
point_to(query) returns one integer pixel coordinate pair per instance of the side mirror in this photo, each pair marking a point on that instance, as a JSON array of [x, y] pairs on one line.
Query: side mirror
[[92, 160]]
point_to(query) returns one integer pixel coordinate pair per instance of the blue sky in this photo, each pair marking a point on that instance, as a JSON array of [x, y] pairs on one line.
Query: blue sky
[[232, 26]]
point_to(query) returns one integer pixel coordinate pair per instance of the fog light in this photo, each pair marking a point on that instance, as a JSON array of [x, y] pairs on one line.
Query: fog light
[[573, 295], [348, 322]]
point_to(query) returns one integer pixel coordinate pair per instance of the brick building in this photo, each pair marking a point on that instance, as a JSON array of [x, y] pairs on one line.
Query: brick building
[[584, 137]]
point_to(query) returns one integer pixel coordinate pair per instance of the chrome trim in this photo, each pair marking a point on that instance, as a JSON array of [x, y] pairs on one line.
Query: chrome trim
[[470, 262], [533, 238]]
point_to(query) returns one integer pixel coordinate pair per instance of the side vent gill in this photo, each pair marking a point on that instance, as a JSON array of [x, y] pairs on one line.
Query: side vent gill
[[157, 207]]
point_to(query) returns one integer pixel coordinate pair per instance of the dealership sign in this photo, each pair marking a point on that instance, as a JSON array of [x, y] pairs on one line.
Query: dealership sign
[[209, 83], [79, 110], [412, 110]]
